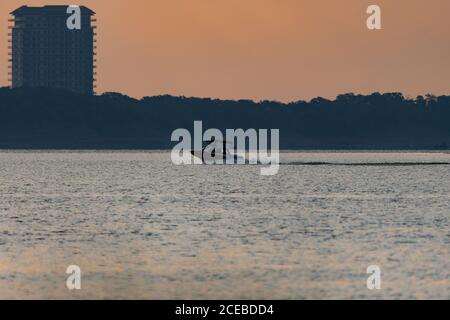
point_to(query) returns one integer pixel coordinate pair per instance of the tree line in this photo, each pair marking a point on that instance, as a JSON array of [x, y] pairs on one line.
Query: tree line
[[46, 118]]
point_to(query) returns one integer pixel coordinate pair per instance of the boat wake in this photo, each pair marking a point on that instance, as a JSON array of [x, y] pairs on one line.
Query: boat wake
[[363, 164]]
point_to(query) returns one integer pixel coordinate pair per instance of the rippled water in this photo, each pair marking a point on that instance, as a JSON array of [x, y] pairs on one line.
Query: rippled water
[[140, 227]]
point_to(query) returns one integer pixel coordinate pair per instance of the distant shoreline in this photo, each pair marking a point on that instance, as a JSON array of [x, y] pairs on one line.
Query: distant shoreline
[[49, 119], [306, 150]]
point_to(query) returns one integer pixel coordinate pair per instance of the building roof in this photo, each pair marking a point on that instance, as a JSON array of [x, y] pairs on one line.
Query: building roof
[[47, 10]]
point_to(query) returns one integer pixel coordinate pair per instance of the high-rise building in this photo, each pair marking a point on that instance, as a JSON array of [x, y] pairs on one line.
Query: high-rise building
[[45, 52]]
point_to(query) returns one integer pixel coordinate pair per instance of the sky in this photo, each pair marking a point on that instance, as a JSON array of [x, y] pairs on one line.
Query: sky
[[285, 50]]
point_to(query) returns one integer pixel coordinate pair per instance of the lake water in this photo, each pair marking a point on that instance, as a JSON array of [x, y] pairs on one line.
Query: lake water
[[140, 227]]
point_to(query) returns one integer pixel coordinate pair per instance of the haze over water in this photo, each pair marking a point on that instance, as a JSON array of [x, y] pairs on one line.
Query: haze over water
[[140, 227]]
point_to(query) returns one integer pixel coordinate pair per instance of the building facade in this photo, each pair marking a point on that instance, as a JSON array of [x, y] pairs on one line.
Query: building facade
[[45, 52]]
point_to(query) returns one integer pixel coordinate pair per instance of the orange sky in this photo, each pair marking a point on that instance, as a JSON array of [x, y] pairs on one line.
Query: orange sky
[[264, 49]]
